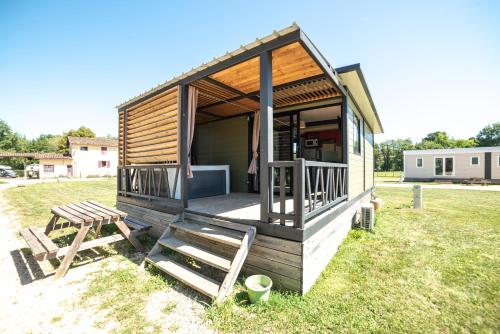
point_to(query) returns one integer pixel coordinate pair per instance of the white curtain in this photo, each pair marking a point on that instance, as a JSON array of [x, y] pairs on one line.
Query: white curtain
[[192, 105], [252, 169]]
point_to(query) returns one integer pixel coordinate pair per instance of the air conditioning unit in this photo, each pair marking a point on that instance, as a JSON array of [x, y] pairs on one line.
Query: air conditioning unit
[[367, 217]]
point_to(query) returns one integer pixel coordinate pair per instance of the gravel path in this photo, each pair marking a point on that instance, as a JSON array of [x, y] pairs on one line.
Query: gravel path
[[32, 302]]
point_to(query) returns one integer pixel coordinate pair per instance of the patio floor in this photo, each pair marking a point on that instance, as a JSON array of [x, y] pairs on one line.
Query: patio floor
[[235, 205]]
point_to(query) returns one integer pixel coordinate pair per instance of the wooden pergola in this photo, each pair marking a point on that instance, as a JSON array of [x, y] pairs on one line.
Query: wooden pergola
[[279, 71]]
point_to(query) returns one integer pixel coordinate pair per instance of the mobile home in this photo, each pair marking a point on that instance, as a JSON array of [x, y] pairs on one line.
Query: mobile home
[[270, 136], [455, 164]]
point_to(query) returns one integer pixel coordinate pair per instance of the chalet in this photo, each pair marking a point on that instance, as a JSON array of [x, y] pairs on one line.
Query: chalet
[[258, 160]]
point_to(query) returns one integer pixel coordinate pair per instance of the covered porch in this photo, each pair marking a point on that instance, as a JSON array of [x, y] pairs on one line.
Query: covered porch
[[275, 104]]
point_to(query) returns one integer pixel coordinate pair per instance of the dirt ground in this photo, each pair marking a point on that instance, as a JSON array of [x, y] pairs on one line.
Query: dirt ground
[[32, 302]]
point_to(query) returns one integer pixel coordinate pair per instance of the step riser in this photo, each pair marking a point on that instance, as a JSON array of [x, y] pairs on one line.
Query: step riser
[[194, 237], [187, 276], [196, 253]]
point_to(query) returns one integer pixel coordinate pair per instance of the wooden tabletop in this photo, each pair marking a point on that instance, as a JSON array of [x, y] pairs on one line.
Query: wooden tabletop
[[88, 212]]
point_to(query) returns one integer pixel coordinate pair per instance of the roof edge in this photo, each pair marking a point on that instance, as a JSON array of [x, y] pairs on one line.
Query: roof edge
[[293, 29], [357, 68], [479, 149]]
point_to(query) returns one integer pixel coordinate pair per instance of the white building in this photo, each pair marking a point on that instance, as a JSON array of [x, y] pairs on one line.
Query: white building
[[93, 157], [452, 164]]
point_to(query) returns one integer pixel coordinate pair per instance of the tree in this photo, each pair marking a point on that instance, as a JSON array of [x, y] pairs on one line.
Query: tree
[[45, 143], [379, 159], [82, 131], [489, 135], [389, 154], [13, 142], [440, 139], [10, 140]]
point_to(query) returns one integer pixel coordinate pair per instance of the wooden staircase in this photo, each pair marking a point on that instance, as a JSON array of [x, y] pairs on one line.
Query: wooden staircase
[[180, 237]]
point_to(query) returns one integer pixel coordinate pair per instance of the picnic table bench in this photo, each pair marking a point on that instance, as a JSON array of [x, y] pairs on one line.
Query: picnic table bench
[[84, 216]]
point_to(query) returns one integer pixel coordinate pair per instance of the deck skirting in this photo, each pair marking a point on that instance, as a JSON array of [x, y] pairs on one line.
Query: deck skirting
[[293, 265]]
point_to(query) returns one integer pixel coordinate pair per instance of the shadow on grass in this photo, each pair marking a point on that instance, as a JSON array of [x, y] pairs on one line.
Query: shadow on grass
[[29, 269]]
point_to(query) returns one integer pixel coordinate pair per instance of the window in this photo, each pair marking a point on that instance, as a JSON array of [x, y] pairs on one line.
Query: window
[[48, 168], [104, 150], [420, 163], [356, 142], [103, 164], [498, 161], [84, 148], [444, 166], [474, 161]]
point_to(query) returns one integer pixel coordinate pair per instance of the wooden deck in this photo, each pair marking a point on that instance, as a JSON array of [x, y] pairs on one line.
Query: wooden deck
[[241, 206]]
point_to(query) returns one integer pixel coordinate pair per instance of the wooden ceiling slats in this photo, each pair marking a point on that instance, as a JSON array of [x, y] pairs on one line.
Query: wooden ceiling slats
[[290, 63]]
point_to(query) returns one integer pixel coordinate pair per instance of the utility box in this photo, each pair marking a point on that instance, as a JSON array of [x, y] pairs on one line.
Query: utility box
[[418, 197]]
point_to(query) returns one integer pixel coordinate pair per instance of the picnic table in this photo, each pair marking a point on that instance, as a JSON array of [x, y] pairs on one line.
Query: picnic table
[[84, 216]]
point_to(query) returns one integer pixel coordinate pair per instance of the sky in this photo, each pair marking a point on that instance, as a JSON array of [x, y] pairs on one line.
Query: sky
[[430, 65]]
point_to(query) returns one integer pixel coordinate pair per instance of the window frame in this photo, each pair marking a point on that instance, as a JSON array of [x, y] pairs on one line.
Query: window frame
[[422, 162], [84, 148], [443, 158], [498, 160], [478, 160], [45, 169], [104, 150], [356, 134]]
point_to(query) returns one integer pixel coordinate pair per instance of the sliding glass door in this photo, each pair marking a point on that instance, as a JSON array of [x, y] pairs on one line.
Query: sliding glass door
[[444, 166]]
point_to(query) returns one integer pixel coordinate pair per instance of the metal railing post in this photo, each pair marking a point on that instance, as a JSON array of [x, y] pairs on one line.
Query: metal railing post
[[299, 194]]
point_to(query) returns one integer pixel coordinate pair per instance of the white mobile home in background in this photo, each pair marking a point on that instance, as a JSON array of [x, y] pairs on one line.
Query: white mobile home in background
[[452, 164]]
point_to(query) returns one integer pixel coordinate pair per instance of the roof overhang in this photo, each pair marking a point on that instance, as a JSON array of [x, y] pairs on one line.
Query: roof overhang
[[33, 155], [272, 42], [460, 150], [352, 77]]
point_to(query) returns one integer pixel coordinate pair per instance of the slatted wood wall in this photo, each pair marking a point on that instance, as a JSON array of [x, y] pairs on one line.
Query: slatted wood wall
[[152, 130]]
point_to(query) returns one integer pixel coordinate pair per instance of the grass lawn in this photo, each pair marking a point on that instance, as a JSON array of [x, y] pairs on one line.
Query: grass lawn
[[33, 203], [429, 271]]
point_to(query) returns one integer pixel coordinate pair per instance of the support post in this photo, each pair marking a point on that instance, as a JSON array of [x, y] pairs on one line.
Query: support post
[[183, 91], [266, 131], [128, 186], [345, 140], [299, 177]]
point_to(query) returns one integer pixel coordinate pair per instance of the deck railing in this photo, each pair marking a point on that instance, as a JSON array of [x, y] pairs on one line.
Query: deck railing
[[149, 182], [315, 187]]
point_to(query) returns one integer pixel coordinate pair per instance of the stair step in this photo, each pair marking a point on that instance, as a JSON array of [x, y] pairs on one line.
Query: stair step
[[186, 275], [216, 221], [219, 234], [196, 253]]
